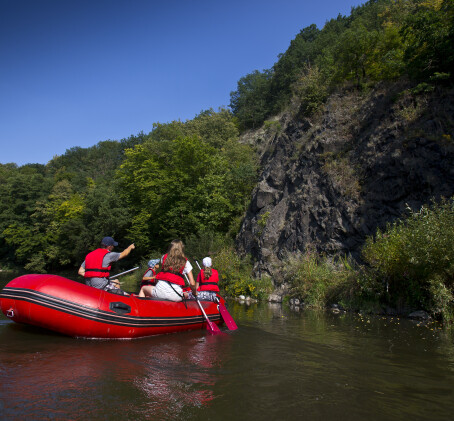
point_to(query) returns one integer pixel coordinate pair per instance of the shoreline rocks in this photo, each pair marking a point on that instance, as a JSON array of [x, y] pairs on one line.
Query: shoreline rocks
[[296, 304]]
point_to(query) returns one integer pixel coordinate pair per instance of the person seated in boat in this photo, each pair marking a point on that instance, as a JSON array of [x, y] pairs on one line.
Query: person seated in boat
[[171, 280], [207, 281], [149, 278], [96, 266]]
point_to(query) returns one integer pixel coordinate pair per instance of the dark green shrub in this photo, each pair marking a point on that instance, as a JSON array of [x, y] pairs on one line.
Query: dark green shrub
[[415, 257]]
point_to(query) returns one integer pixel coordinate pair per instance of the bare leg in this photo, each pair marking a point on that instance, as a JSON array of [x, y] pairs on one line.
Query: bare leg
[[145, 291]]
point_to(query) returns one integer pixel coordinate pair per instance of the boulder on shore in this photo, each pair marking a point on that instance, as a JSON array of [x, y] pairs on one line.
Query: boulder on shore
[[275, 298], [419, 315]]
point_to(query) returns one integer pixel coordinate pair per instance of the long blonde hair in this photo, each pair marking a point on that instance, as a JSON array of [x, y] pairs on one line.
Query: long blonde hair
[[175, 260]]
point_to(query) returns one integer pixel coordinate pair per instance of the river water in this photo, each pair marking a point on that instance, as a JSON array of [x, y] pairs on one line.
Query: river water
[[279, 364]]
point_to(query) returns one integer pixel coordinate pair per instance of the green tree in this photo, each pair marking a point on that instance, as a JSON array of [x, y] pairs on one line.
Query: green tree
[[49, 229], [164, 183], [249, 102], [21, 188], [199, 180], [301, 53], [429, 34]]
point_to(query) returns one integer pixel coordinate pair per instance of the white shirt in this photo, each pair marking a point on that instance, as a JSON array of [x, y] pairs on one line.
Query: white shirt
[[187, 267]]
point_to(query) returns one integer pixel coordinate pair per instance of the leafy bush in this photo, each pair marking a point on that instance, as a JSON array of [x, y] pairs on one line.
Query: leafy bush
[[410, 264], [262, 220], [415, 256], [272, 126], [206, 243], [312, 90], [441, 298], [362, 290], [235, 274], [316, 279]]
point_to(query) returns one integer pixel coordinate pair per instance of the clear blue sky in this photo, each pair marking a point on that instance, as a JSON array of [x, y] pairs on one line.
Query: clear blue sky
[[75, 72]]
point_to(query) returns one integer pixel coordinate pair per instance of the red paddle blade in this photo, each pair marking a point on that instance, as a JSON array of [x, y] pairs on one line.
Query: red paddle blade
[[213, 327], [230, 323]]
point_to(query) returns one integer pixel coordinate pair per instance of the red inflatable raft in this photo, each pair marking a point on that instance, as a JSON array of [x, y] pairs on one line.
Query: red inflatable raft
[[77, 310]]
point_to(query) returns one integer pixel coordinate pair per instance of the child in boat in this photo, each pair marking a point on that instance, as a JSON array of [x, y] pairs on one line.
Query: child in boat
[[171, 280], [149, 278], [207, 281]]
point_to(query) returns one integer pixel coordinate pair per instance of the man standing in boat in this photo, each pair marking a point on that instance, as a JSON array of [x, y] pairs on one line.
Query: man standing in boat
[[96, 266]]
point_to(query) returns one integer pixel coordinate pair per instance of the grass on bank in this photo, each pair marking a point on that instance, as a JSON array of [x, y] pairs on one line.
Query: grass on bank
[[236, 276], [414, 258]]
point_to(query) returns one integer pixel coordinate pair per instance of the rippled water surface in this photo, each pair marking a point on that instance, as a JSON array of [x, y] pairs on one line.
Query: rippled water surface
[[278, 365]]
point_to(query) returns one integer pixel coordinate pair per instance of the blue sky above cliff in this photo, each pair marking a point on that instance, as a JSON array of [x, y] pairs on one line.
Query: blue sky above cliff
[[74, 73]]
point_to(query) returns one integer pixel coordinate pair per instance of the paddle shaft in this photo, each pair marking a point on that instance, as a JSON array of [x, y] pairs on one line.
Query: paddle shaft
[[210, 325], [228, 319], [125, 272]]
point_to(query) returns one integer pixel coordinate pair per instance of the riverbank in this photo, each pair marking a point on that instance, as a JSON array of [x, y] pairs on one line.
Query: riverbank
[[294, 305]]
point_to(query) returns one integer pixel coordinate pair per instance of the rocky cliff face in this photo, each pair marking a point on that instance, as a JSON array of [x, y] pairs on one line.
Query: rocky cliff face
[[333, 179]]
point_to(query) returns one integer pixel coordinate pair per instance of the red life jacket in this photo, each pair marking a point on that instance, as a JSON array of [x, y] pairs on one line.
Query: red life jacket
[[171, 276], [149, 281], [210, 284], [93, 264]]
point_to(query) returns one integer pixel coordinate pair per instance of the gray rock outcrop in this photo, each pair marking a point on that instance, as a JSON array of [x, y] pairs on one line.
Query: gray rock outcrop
[[330, 181]]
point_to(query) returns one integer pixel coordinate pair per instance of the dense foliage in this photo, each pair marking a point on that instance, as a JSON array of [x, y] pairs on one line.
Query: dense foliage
[[187, 178], [380, 40], [52, 214], [182, 178]]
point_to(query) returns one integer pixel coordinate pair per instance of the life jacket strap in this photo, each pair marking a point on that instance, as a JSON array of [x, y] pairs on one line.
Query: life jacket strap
[[183, 298]]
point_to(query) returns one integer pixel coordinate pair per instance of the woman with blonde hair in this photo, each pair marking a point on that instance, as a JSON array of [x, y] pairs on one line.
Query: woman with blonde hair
[[170, 281]]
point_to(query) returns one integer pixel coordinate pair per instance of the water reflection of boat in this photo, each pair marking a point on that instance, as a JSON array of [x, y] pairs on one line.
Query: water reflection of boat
[[156, 378], [71, 308]]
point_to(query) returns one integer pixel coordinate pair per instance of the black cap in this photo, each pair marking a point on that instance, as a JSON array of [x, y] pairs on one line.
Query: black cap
[[109, 241]]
